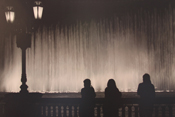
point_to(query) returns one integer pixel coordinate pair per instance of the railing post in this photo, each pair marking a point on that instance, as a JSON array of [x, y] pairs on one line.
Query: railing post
[[70, 111], [75, 111], [156, 111], [170, 108], [163, 111], [136, 111], [49, 111], [42, 111], [98, 111], [54, 111], [45, 111], [129, 110], [78, 110], [123, 111], [59, 111], [64, 110]]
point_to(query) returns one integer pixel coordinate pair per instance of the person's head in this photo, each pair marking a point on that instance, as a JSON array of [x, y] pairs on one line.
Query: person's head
[[111, 83], [87, 83], [146, 78]]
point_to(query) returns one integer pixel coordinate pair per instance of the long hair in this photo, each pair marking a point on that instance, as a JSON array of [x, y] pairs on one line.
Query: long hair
[[111, 83]]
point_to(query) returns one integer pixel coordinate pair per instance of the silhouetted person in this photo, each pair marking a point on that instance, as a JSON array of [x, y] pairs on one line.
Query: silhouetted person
[[146, 91], [88, 97], [112, 99]]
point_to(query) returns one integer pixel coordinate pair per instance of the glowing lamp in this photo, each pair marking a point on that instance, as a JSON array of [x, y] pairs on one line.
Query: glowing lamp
[[10, 14], [38, 10]]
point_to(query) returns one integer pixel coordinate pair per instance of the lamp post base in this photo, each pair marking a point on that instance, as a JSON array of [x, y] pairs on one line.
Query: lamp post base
[[24, 88]]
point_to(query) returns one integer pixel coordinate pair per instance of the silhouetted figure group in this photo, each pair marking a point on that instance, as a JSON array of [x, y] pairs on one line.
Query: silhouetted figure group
[[113, 99]]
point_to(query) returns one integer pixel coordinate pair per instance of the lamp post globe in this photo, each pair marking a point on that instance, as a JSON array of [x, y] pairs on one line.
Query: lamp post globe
[[10, 14], [38, 9]]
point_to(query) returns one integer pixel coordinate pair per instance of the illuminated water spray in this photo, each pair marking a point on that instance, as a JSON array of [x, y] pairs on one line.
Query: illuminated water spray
[[122, 48]]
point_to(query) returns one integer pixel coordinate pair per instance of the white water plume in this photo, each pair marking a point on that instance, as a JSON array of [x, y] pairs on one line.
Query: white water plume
[[120, 48]]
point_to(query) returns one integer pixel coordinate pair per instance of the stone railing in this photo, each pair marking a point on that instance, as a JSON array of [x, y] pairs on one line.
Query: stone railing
[[69, 107]]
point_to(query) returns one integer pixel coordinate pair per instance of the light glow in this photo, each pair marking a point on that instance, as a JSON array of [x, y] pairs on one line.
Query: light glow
[[38, 10], [10, 15], [35, 12]]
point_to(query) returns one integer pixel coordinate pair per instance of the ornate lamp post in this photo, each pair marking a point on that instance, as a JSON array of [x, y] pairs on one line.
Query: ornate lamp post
[[24, 39], [21, 104]]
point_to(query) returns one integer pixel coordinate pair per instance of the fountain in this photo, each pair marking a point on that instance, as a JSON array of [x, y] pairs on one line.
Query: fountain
[[122, 48]]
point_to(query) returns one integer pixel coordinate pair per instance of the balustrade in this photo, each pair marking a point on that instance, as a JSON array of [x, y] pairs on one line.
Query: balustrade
[[69, 107], [163, 107]]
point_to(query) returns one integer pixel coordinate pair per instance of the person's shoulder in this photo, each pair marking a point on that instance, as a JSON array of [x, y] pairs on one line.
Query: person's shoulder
[[117, 89], [141, 84], [152, 85], [106, 89], [91, 88], [82, 89]]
